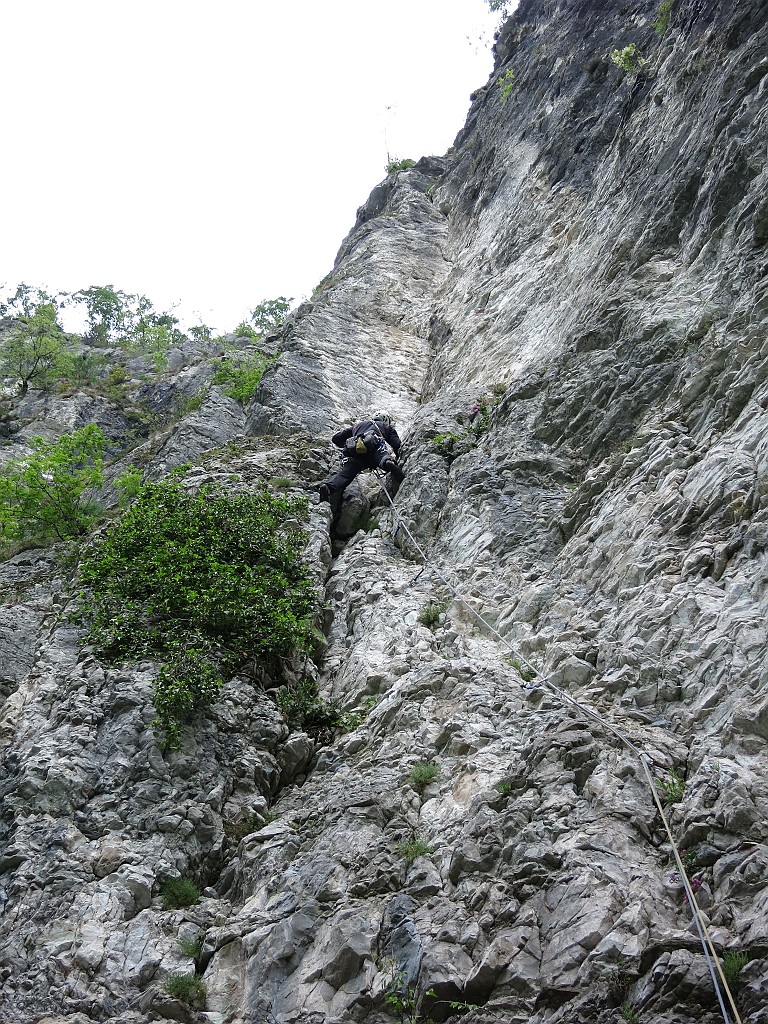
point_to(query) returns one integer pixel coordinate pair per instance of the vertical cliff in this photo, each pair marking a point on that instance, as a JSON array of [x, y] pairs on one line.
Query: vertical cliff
[[567, 317]]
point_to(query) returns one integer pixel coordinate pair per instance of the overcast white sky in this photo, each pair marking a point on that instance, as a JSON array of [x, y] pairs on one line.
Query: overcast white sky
[[215, 153]]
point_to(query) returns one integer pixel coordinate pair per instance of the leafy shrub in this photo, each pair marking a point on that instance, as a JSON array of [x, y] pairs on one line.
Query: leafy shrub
[[304, 708], [412, 849], [50, 492], [189, 988], [629, 59], [445, 444], [504, 787], [506, 83], [207, 581], [128, 485], [394, 165], [671, 790], [281, 482], [241, 374], [662, 17], [431, 612], [192, 947], [422, 773], [734, 962], [179, 892]]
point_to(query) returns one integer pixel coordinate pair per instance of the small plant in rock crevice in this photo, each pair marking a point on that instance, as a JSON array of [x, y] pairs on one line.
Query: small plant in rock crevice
[[663, 15], [237, 830], [619, 979], [412, 849], [628, 1013], [478, 419], [422, 774], [629, 59], [504, 787], [394, 165], [188, 988], [430, 613], [303, 708], [526, 673], [178, 893], [734, 962], [192, 948], [506, 83], [671, 789]]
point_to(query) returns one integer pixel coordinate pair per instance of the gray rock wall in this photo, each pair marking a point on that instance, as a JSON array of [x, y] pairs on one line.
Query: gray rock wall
[[588, 265]]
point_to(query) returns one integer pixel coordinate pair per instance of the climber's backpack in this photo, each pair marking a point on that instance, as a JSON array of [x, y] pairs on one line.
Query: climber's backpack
[[364, 444]]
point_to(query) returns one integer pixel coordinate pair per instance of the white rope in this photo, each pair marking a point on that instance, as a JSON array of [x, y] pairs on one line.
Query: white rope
[[710, 954]]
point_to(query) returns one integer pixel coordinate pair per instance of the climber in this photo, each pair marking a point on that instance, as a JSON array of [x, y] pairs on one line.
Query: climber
[[365, 447]]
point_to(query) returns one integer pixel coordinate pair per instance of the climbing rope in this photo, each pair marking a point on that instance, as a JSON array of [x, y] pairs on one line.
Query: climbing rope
[[710, 953]]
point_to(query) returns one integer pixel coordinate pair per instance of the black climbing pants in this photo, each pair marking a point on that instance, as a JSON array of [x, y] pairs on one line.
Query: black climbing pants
[[353, 464]]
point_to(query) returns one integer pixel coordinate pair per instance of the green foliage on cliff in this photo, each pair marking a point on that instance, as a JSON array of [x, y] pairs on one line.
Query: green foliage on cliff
[[629, 59], [206, 582], [270, 315], [662, 17], [506, 83], [241, 374], [50, 493], [34, 349], [394, 165]]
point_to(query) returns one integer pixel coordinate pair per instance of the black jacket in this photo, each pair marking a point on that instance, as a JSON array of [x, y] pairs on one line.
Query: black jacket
[[388, 432]]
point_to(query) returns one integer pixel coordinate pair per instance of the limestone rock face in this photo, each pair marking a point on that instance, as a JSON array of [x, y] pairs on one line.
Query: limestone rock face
[[566, 316]]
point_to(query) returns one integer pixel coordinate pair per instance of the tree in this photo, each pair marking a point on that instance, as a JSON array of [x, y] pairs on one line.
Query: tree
[[25, 300], [106, 311], [50, 492], [269, 316], [32, 350]]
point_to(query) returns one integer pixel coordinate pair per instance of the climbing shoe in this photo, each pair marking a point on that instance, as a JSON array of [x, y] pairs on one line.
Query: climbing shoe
[[324, 492]]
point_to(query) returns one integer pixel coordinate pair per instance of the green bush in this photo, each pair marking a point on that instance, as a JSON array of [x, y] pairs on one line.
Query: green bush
[[662, 17], [431, 612], [270, 315], [241, 375], [422, 773], [189, 988], [526, 673], [629, 59], [412, 849], [128, 485], [303, 708], [506, 83], [672, 788], [206, 581], [628, 1013], [192, 947], [394, 165], [178, 893], [50, 493], [734, 962]]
